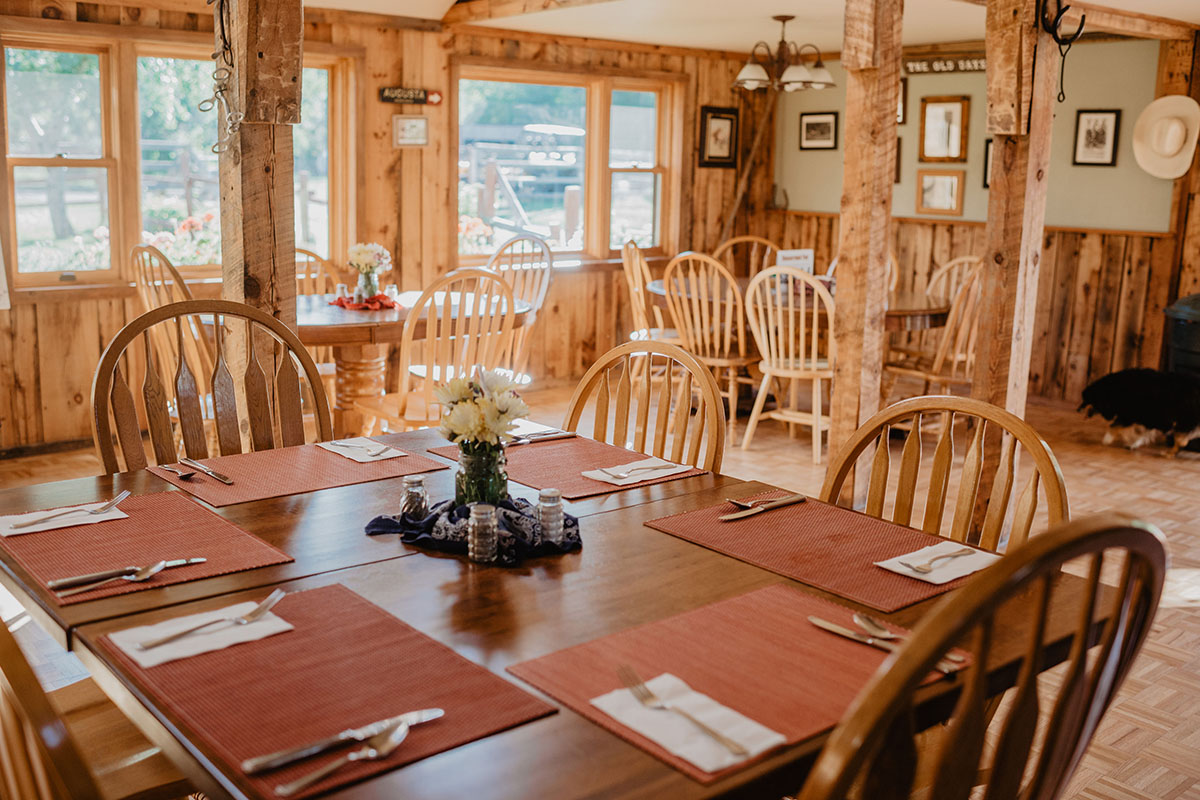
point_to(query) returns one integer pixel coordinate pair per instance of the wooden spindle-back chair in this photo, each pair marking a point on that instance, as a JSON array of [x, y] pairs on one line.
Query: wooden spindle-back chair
[[656, 420], [272, 397], [158, 283], [467, 319], [952, 363], [893, 270], [316, 276], [1017, 440], [706, 305], [947, 279], [73, 743], [755, 252], [790, 314], [527, 264], [648, 323], [1031, 749]]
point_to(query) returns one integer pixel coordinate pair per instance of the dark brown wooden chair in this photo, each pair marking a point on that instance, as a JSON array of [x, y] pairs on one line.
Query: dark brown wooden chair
[[938, 414], [1030, 750], [73, 743], [270, 398]]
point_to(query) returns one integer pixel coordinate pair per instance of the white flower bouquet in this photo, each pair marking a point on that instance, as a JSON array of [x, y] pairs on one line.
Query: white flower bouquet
[[480, 410], [369, 258]]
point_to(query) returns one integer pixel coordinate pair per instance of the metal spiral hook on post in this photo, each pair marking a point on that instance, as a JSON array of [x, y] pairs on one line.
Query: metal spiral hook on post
[[224, 98], [1050, 26]]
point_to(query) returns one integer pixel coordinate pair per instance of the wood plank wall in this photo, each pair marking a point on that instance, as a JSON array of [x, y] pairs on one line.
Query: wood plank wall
[[1102, 292], [50, 342]]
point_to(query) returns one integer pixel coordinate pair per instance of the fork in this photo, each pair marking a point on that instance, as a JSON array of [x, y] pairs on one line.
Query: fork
[[927, 566], [746, 505], [183, 474], [104, 509], [253, 615], [629, 472], [642, 693], [370, 452]]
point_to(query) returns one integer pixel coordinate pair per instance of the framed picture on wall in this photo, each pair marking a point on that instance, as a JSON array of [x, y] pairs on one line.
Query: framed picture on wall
[[902, 107], [1096, 132], [409, 130], [944, 128], [940, 191], [718, 136], [819, 131], [987, 164]]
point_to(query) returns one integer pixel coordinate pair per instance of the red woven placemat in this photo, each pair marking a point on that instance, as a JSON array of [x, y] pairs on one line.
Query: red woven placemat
[[160, 527], [347, 663], [559, 462], [818, 544], [756, 653], [289, 470]]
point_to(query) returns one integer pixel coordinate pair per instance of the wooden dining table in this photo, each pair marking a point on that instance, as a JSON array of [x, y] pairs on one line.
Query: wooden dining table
[[625, 575], [360, 340]]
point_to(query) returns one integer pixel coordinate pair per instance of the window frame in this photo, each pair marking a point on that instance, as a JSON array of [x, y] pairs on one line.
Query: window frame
[[597, 215]]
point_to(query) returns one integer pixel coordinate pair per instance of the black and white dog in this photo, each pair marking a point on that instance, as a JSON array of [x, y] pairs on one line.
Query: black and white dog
[[1146, 406]]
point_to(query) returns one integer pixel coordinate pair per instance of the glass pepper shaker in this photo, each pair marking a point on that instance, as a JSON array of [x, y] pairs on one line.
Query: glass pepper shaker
[[482, 533], [416, 500], [550, 515], [342, 290]]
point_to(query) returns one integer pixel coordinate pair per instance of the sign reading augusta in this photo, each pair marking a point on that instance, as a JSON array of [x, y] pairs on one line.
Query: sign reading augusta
[[945, 62], [399, 94]]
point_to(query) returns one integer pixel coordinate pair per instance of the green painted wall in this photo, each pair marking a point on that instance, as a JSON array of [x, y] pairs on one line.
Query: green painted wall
[[1099, 75]]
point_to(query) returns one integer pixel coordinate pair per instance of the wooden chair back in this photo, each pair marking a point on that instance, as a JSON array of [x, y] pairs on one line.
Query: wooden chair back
[[955, 353], [790, 314], [992, 427], [706, 306], [39, 760], [468, 319], [893, 270], [755, 252], [314, 274], [658, 421], [1031, 749], [947, 279], [270, 400], [527, 264], [633, 264], [158, 284]]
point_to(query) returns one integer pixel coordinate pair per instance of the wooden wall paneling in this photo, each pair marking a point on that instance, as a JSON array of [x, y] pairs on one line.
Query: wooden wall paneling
[[411, 246], [1158, 297], [10, 434], [1112, 261], [68, 351], [1061, 312], [1083, 313], [1131, 304]]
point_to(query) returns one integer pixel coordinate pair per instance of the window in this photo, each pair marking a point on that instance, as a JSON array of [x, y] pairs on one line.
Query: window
[[579, 161], [311, 147], [60, 162]]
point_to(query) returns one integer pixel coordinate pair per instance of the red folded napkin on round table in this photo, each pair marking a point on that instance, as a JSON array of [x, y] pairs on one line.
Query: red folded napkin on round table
[[375, 303]]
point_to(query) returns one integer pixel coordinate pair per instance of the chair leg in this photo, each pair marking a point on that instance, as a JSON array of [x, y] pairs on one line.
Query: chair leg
[[757, 411], [817, 424], [733, 400]]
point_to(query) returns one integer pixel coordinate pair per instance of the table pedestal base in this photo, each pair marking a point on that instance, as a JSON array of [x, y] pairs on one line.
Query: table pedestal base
[[360, 374]]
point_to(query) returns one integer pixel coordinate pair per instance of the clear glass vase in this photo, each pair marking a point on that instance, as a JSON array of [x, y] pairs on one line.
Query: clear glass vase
[[369, 283], [481, 477]]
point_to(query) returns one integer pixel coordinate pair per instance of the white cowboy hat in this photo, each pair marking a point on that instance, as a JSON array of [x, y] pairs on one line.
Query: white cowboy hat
[[1164, 137]]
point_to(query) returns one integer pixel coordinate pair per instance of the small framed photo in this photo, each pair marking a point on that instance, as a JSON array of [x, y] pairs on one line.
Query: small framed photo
[[987, 164], [819, 131], [902, 106], [718, 136], [944, 128], [409, 130], [940, 191], [1096, 132]]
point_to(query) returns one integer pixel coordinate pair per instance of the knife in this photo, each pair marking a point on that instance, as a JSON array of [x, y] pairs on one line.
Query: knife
[[79, 580], [791, 499], [942, 666], [212, 473], [258, 764]]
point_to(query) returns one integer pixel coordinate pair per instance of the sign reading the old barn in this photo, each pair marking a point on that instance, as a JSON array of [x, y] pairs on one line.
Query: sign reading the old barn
[[945, 62], [399, 94]]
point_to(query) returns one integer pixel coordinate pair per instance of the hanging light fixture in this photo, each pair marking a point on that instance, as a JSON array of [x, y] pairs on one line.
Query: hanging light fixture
[[783, 69]]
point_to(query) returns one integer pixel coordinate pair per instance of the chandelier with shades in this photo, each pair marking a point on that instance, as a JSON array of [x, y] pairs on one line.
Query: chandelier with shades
[[784, 68]]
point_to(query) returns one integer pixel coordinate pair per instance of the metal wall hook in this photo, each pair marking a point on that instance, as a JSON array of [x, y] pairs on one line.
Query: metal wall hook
[[1051, 26]]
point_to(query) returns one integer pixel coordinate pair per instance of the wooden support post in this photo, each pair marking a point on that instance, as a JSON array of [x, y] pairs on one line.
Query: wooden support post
[[258, 240], [871, 55], [1022, 71], [1186, 198]]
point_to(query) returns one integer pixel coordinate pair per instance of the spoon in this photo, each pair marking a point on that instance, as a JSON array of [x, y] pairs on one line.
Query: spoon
[[377, 747], [876, 629], [183, 474], [143, 574]]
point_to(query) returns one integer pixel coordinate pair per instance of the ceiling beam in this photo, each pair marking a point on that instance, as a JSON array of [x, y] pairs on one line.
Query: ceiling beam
[[1102, 19], [481, 10]]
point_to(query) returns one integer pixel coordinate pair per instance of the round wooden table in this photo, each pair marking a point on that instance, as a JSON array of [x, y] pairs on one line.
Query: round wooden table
[[906, 311], [360, 342]]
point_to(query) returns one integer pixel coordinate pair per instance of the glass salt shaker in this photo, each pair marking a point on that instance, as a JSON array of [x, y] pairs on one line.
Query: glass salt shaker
[[416, 500], [392, 291], [550, 515], [342, 290], [482, 533]]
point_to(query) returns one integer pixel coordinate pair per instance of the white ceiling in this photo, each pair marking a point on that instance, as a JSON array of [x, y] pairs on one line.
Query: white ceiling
[[730, 25]]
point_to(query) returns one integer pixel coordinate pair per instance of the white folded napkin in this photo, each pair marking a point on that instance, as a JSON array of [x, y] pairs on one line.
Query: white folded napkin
[[680, 736], [215, 637], [524, 427], [641, 475], [65, 521], [945, 570], [358, 453]]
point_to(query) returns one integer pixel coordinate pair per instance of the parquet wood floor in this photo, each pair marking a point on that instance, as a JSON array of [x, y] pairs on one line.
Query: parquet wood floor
[[1148, 747]]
